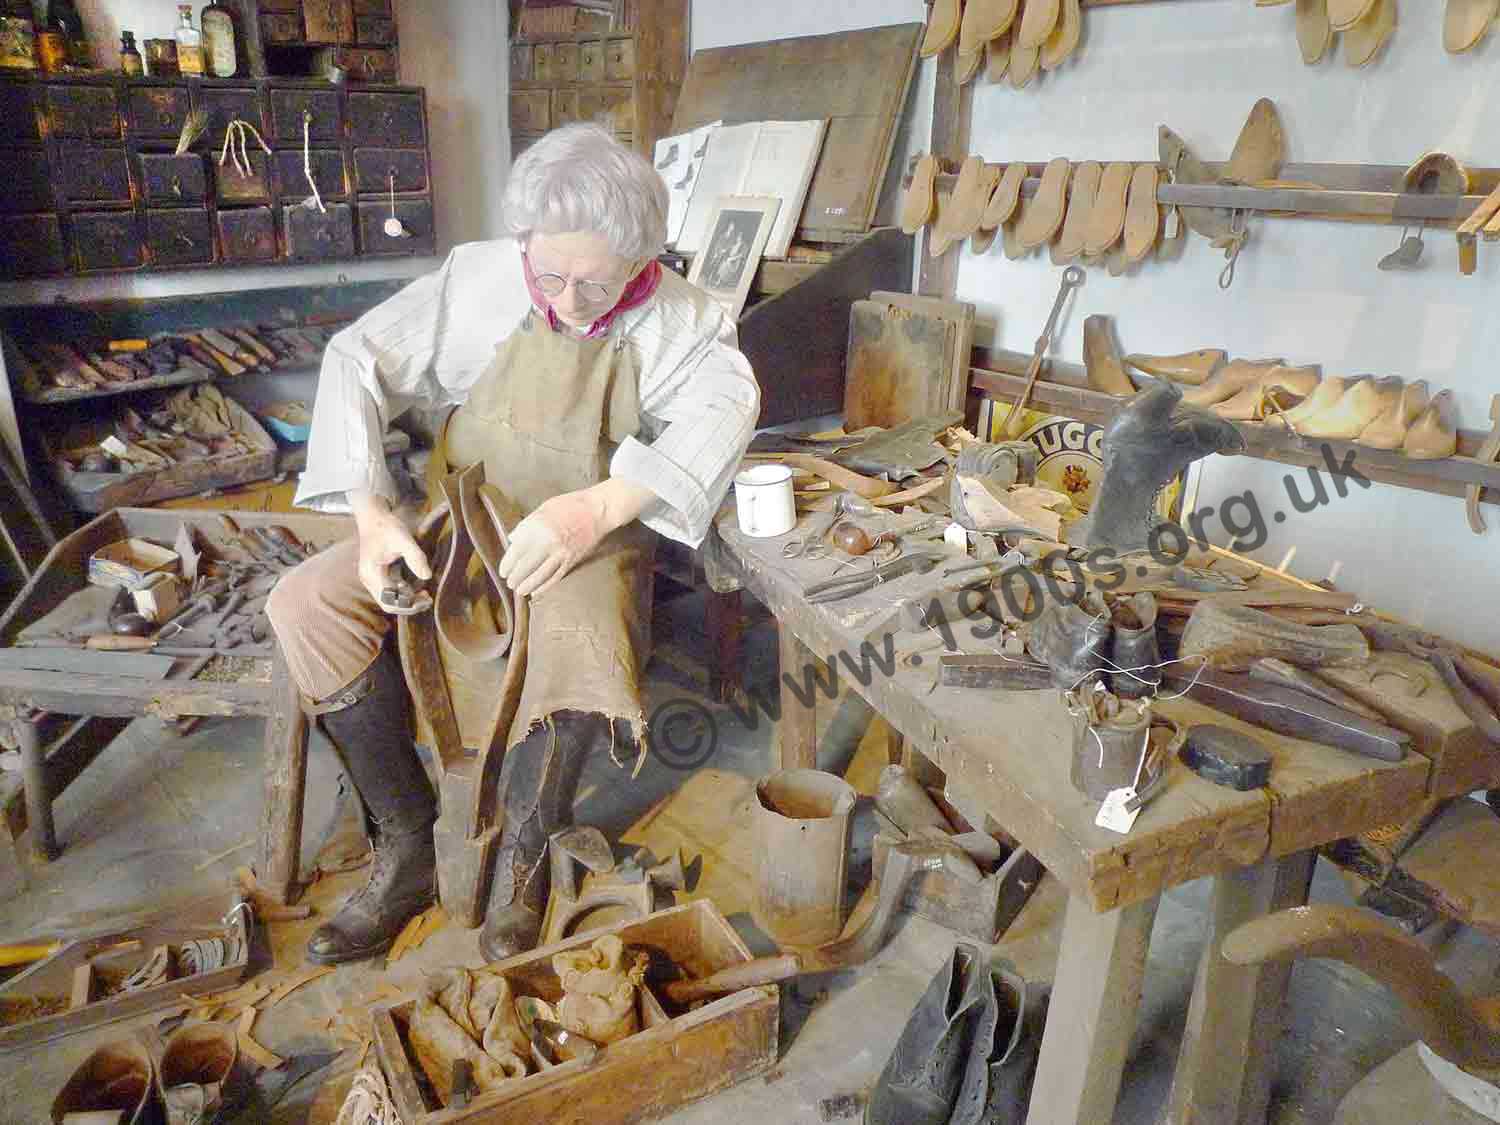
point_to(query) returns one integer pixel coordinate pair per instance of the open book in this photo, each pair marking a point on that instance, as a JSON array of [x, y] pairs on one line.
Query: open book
[[760, 158]]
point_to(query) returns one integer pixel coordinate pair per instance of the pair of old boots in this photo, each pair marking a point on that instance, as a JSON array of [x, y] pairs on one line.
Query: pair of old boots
[[185, 1082], [537, 781], [968, 1052], [1115, 644]]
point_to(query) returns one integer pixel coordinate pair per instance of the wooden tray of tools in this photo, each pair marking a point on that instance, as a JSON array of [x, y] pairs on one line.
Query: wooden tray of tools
[[83, 984], [676, 1057]]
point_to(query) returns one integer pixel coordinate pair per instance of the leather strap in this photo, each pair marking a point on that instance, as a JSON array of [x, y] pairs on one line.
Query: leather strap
[[475, 528]]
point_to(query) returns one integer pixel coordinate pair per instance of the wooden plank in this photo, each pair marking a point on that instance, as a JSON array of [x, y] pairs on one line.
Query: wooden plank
[[1224, 1067], [952, 111], [38, 789], [128, 665], [797, 732], [111, 696], [899, 366], [1092, 1017], [286, 784], [773, 277]]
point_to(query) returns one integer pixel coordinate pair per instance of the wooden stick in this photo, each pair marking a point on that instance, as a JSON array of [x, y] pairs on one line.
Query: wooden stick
[[847, 479], [257, 1054], [1487, 452]]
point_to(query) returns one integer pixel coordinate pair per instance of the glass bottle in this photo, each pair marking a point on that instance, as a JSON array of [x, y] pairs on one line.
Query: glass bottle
[[218, 40], [130, 58], [17, 35], [189, 44], [63, 16]]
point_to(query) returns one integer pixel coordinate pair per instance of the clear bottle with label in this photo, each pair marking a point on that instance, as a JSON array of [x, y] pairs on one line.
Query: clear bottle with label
[[218, 41], [189, 44], [17, 35], [130, 57], [63, 15]]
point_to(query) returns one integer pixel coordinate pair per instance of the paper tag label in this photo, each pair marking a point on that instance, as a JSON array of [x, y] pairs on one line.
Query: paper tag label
[[114, 446], [956, 537], [1113, 813]]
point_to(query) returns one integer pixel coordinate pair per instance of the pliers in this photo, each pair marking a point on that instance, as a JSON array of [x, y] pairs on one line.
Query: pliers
[[835, 589]]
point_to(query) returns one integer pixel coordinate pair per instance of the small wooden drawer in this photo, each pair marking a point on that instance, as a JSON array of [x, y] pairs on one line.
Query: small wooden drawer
[[321, 106], [281, 27], [541, 62], [31, 246], [173, 179], [328, 21], [327, 170], [312, 236], [614, 108], [374, 169], [29, 180], [372, 7], [520, 62], [224, 104], [107, 240], [386, 119], [18, 113], [530, 111], [231, 186], [564, 107], [374, 30], [416, 218], [591, 62], [158, 111], [619, 59], [281, 6], [366, 64], [83, 111], [247, 234], [565, 62], [179, 237], [94, 175]]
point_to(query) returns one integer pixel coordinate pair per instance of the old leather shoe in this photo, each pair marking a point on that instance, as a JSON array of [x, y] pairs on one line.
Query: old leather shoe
[[118, 1076], [197, 1062], [934, 1057]]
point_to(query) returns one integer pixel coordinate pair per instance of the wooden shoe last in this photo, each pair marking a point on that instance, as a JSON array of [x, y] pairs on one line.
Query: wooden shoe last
[[1190, 368], [1389, 430], [1434, 434]]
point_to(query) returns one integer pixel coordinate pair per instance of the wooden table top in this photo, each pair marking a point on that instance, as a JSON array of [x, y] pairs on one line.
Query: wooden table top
[[1011, 750]]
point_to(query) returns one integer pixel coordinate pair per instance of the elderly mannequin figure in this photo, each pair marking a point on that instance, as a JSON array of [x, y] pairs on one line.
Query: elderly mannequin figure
[[608, 401]]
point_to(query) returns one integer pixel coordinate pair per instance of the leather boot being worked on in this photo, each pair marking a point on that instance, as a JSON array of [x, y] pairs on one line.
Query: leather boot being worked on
[[373, 736], [538, 781]]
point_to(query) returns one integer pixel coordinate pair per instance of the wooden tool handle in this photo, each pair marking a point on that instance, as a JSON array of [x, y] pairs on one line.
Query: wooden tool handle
[[107, 642], [747, 974]]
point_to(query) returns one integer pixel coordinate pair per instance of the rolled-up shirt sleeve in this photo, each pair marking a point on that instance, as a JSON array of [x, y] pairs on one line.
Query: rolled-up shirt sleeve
[[698, 415]]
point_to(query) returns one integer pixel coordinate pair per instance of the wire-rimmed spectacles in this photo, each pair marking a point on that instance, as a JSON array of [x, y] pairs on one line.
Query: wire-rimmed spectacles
[[590, 292]]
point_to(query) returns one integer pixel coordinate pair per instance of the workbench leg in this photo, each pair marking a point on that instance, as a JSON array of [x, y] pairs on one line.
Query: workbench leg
[[1228, 1052], [796, 744], [286, 783], [38, 789], [1093, 1013], [725, 620]]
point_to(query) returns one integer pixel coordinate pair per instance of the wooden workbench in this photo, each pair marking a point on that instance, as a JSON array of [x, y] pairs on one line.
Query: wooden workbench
[[1009, 753]]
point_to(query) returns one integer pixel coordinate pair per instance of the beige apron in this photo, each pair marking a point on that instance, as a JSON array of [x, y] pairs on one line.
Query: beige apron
[[545, 418]]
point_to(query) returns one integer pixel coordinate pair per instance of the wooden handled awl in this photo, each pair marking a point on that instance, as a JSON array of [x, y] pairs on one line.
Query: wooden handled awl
[[747, 974]]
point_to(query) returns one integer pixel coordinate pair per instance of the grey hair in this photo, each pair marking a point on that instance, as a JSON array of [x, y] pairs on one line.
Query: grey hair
[[579, 178]]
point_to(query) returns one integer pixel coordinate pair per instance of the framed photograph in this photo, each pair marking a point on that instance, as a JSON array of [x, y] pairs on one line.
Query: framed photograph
[[737, 234]]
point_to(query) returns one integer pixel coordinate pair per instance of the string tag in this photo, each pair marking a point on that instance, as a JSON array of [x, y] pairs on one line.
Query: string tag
[[1114, 815]]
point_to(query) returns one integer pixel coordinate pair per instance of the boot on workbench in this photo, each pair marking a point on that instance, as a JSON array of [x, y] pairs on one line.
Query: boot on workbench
[[537, 783], [373, 735]]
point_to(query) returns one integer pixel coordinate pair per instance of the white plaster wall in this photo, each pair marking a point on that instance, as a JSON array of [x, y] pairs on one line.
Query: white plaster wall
[[455, 48]]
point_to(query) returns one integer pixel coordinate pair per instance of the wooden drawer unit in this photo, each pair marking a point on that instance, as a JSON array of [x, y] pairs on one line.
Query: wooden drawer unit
[[173, 179], [247, 234], [179, 237], [327, 170], [322, 106], [106, 240], [231, 186], [530, 111], [374, 30], [29, 180], [281, 27], [224, 104], [541, 62], [312, 236], [415, 216], [565, 62], [376, 168], [92, 174], [83, 111], [281, 6], [591, 62], [372, 8], [394, 120], [158, 111], [610, 106], [564, 107], [31, 245], [365, 64], [619, 59], [328, 21], [18, 113], [520, 62]]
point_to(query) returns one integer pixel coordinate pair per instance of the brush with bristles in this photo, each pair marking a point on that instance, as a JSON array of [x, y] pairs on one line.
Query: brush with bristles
[[192, 129]]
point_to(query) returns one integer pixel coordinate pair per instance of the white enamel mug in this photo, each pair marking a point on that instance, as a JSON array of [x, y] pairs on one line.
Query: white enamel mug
[[763, 501]]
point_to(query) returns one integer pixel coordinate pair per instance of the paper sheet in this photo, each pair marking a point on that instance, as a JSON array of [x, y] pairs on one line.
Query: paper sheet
[[678, 160]]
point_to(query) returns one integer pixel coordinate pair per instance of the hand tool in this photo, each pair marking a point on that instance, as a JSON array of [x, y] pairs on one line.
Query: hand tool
[[283, 556], [403, 594], [835, 589], [284, 537], [812, 545], [1072, 278]]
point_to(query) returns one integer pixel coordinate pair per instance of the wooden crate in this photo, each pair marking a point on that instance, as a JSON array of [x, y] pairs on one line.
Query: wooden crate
[[673, 1060]]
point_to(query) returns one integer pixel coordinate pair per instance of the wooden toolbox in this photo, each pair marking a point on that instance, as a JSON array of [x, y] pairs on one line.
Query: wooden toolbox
[[675, 1058]]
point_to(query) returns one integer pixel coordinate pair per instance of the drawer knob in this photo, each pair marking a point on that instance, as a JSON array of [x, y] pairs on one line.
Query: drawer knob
[[177, 186]]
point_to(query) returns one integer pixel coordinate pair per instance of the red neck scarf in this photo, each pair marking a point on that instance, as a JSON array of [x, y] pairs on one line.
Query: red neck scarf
[[637, 292]]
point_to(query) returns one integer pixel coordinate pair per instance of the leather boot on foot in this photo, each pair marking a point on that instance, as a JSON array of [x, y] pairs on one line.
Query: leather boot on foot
[[373, 735], [934, 1057], [537, 783]]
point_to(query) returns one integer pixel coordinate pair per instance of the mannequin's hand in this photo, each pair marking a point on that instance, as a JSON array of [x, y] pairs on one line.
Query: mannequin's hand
[[383, 539], [564, 531]]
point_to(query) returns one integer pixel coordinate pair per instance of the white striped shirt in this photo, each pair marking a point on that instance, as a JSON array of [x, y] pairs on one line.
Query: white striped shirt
[[427, 346]]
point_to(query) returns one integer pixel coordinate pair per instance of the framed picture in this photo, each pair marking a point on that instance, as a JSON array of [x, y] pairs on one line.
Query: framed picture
[[737, 234]]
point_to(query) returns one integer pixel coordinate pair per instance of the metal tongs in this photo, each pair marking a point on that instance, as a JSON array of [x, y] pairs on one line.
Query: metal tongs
[[403, 594]]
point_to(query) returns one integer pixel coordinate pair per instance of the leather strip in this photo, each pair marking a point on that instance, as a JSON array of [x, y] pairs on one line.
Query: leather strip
[[347, 696], [473, 531]]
